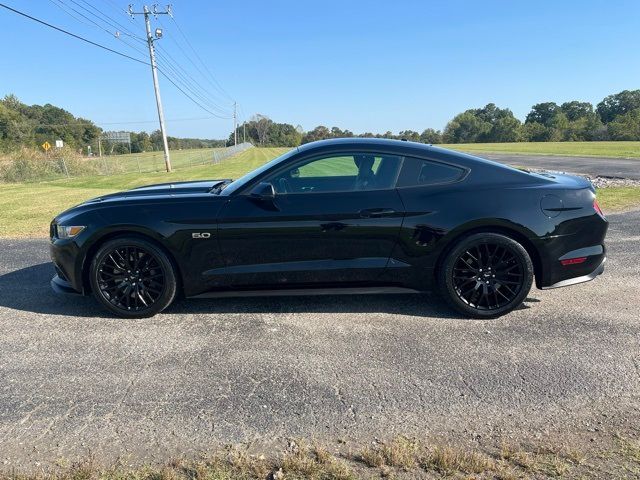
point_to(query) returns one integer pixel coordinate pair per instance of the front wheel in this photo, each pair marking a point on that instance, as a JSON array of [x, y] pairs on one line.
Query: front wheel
[[486, 275], [132, 277]]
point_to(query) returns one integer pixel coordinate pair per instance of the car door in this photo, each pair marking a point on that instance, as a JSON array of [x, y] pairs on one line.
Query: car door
[[334, 219]]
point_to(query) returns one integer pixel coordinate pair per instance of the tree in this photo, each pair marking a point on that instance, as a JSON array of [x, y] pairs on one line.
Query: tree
[[409, 135], [262, 124], [431, 136], [618, 104], [465, 127], [625, 126], [487, 124], [13, 130], [535, 132], [505, 129], [141, 142], [542, 113], [575, 110], [31, 125], [559, 125], [319, 133]]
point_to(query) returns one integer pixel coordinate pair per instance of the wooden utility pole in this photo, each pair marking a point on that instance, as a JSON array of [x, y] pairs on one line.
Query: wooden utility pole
[[235, 123], [154, 72]]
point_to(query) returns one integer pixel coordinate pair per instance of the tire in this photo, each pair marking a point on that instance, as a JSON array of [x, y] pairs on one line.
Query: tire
[[132, 277], [486, 275]]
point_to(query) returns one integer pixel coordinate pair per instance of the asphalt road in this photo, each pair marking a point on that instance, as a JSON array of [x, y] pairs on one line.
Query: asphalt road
[[606, 167], [260, 370]]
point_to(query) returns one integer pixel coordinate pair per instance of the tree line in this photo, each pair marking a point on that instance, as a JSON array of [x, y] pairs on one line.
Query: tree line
[[616, 117], [24, 125]]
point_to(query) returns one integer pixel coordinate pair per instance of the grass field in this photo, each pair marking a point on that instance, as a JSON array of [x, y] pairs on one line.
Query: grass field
[[578, 149], [27, 209]]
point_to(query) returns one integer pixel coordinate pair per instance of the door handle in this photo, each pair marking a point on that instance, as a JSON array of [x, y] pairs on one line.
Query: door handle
[[376, 212]]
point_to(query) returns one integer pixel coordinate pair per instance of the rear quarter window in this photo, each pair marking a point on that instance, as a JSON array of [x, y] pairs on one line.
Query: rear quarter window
[[418, 172]]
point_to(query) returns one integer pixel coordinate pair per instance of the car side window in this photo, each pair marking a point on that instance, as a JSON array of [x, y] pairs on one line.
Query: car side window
[[418, 172], [341, 172]]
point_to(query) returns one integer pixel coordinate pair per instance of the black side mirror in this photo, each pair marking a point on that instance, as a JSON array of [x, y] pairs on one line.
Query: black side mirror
[[263, 191]]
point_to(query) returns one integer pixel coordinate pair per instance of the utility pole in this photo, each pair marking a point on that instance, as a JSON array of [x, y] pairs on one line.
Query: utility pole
[[235, 123], [244, 132], [154, 71]]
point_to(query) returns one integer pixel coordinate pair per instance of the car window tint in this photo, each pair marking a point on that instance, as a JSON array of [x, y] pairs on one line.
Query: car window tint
[[423, 172], [339, 172], [329, 167]]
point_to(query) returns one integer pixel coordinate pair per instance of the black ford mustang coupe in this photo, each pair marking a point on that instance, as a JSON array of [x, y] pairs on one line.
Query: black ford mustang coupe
[[336, 216]]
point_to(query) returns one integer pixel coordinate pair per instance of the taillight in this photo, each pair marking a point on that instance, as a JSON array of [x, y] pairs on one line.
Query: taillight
[[573, 261], [597, 208]]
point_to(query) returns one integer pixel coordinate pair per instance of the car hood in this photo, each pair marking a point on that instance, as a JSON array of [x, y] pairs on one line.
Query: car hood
[[170, 189], [150, 192]]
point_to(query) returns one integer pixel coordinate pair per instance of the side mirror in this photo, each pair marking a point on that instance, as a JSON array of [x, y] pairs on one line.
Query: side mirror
[[263, 191]]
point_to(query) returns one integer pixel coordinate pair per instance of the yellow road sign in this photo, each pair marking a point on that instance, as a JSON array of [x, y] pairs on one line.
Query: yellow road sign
[[46, 146]]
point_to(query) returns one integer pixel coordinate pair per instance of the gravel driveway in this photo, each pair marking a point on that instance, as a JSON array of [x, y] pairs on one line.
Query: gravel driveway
[[231, 370]]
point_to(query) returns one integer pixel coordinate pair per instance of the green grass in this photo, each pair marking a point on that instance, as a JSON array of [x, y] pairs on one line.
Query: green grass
[[580, 149], [618, 198], [26, 209]]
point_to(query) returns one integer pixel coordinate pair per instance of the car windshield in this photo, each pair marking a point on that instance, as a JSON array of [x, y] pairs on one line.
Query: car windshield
[[242, 181]]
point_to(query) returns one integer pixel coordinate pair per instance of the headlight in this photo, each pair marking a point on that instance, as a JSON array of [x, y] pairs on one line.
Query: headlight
[[68, 232]]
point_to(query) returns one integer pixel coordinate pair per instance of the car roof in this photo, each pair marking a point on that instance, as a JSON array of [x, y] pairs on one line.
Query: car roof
[[357, 141], [385, 145]]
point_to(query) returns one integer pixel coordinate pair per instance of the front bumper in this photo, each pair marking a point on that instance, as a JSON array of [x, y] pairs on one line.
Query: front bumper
[[62, 287], [66, 259], [581, 279]]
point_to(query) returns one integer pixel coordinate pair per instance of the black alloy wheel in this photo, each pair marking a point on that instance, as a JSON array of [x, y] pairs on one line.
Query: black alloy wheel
[[487, 275], [132, 278]]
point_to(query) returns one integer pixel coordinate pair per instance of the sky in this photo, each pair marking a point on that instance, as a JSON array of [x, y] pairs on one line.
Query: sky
[[362, 65]]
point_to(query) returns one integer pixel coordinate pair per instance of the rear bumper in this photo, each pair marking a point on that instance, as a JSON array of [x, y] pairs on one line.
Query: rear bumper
[[581, 279]]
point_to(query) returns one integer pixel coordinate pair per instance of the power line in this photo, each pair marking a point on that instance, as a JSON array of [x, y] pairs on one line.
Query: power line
[[213, 100], [188, 81], [130, 122], [73, 34], [179, 73], [190, 97], [62, 6], [103, 47], [215, 81], [109, 20]]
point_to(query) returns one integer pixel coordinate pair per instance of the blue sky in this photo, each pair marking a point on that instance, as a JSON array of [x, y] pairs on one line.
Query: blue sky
[[364, 65]]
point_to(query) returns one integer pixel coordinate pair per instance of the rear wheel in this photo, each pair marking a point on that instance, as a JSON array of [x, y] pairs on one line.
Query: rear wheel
[[132, 278], [486, 275]]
